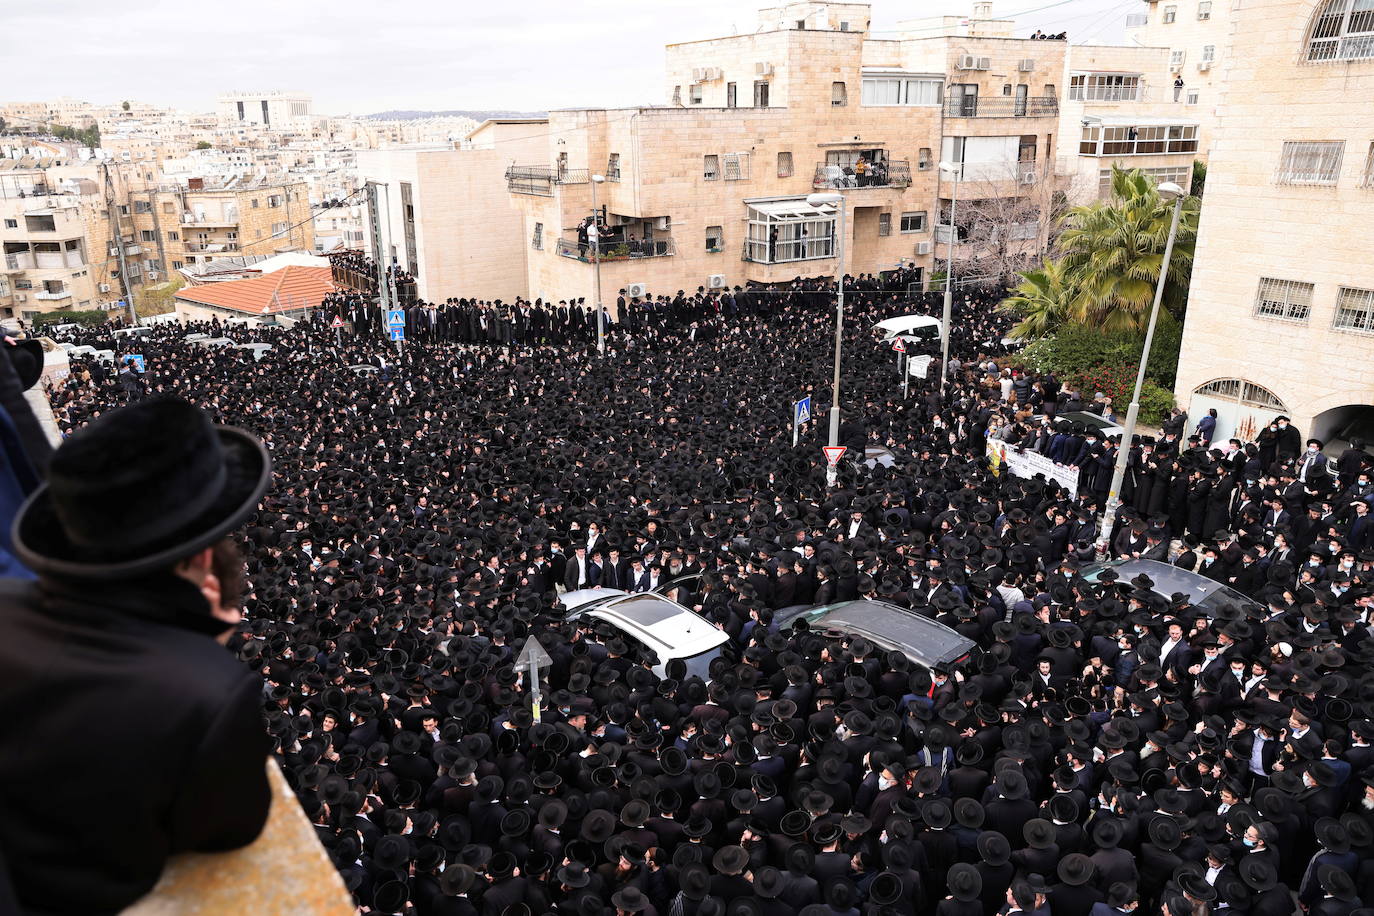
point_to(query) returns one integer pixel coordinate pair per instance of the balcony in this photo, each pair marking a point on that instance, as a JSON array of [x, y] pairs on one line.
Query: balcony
[[18, 261], [626, 250], [188, 219], [50, 296], [540, 180], [895, 173], [1037, 106]]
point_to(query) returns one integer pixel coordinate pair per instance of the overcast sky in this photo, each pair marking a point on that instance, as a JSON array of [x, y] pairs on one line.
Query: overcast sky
[[359, 56]]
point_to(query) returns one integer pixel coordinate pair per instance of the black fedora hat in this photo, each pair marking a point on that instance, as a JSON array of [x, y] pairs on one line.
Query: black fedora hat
[[138, 489], [27, 358], [964, 882], [1075, 869]]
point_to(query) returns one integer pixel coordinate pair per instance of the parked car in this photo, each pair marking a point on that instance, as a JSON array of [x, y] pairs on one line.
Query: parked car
[[655, 622], [911, 328], [1101, 425], [924, 641], [1206, 594], [136, 331], [214, 342], [363, 370], [259, 350]]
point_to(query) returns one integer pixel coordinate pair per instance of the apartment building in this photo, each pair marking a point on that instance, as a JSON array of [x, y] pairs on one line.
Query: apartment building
[[275, 110], [1281, 311], [446, 216], [1197, 34], [710, 189]]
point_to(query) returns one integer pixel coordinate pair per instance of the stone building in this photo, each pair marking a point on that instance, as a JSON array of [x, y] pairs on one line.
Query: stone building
[[1281, 311]]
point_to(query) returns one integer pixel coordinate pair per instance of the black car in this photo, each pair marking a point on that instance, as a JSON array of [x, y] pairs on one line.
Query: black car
[[1202, 592], [926, 642]]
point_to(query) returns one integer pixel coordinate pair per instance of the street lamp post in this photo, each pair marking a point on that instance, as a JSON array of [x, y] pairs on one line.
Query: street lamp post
[[835, 200], [595, 235], [1123, 453], [951, 238]]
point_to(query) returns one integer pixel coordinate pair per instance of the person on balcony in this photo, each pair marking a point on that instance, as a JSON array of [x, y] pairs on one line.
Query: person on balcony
[[861, 169]]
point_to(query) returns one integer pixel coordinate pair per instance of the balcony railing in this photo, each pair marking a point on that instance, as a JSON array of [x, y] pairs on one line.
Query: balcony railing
[[895, 173], [48, 295], [540, 180], [628, 250], [19, 260], [1037, 106], [189, 219]]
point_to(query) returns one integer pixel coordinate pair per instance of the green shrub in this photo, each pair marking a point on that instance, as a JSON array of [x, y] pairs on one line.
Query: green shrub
[[87, 319], [1075, 351], [1155, 404]]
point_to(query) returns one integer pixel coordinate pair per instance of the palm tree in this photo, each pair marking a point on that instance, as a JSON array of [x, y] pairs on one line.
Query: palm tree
[[1113, 250], [1043, 300]]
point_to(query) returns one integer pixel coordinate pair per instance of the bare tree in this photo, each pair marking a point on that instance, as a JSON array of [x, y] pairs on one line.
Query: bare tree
[[1007, 224]]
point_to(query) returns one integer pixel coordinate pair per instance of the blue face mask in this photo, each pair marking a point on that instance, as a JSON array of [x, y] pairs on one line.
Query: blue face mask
[[1248, 842]]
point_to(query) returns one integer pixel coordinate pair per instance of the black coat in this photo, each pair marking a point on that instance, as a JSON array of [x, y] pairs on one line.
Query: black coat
[[132, 670]]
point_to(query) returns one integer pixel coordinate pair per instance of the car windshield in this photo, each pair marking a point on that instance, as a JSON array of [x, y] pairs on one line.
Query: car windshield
[[700, 664], [1224, 597]]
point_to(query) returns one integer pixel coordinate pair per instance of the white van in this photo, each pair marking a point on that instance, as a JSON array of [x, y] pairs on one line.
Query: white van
[[915, 328], [137, 331]]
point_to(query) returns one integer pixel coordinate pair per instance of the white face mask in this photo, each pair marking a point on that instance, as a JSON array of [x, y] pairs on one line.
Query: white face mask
[[884, 783]]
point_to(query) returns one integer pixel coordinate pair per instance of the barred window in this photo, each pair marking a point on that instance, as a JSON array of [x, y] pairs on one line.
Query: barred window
[[884, 224], [1368, 180], [1290, 300], [538, 241], [1355, 310], [1248, 393], [736, 166], [710, 168], [1310, 162], [1204, 9], [784, 165], [1343, 30]]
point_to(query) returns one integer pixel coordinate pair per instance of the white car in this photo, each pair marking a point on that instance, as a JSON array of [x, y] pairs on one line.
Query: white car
[[259, 350], [137, 331], [911, 328], [655, 622]]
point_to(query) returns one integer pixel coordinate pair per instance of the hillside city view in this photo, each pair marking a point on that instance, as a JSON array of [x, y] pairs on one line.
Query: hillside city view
[[829, 459]]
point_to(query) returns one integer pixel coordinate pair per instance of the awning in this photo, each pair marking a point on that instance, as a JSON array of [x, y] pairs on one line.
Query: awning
[[1128, 121], [787, 211]]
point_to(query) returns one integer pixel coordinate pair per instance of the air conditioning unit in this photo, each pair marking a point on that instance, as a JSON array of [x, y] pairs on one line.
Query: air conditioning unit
[[967, 62], [1026, 65], [705, 74], [20, 297], [763, 69], [104, 287], [664, 223], [923, 247], [636, 290], [152, 275], [984, 63], [1204, 65], [697, 74], [1028, 176], [716, 281]]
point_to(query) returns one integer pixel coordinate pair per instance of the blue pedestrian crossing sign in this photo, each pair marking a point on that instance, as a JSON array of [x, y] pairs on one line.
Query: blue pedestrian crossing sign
[[395, 318], [138, 362], [801, 411], [398, 333]]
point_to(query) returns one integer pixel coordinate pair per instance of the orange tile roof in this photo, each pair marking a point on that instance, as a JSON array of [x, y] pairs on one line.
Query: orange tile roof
[[287, 290]]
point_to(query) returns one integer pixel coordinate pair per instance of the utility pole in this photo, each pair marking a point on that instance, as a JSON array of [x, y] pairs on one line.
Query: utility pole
[[117, 239]]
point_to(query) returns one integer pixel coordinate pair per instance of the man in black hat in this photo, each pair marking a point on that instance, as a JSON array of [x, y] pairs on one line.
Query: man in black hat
[[114, 648]]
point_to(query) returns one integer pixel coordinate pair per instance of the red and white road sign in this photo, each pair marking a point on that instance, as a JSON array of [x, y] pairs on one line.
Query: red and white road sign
[[833, 454], [337, 322], [899, 345]]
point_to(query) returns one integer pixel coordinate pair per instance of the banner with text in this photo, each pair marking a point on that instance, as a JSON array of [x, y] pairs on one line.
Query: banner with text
[[1021, 463]]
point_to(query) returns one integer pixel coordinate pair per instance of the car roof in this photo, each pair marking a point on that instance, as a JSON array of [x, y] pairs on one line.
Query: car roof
[[907, 323], [924, 641], [1167, 577], [1087, 418], [663, 625]]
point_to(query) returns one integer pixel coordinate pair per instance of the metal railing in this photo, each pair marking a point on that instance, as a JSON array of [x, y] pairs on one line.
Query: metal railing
[[627, 250], [895, 173], [1036, 106], [49, 295], [540, 180]]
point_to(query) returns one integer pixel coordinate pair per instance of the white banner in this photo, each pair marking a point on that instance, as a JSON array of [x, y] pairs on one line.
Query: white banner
[[918, 365], [1022, 463]]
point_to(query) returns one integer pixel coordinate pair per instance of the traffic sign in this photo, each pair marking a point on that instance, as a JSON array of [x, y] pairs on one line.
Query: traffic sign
[[833, 454], [398, 333], [899, 345], [533, 656], [801, 411], [396, 318], [138, 361], [336, 323]]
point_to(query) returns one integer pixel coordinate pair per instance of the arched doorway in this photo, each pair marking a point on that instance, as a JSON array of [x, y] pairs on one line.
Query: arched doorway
[[1337, 426], [1243, 408]]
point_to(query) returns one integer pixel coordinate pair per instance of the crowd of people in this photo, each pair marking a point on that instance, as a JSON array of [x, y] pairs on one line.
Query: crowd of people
[[1106, 749]]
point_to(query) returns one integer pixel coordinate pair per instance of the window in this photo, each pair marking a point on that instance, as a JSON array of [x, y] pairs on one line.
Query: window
[[677, 95], [11, 224], [1006, 88], [173, 236], [123, 210], [736, 166], [277, 229], [274, 200], [255, 203], [177, 265], [839, 95], [963, 100], [1176, 59], [1025, 152], [760, 93], [715, 239], [784, 165], [1018, 107], [1204, 9], [730, 95], [1344, 30], [1209, 53], [1049, 90], [613, 167], [1354, 310], [537, 243], [1247, 393], [901, 90], [1310, 162], [1368, 180], [147, 235], [1170, 14], [694, 93], [923, 159], [914, 221], [142, 206], [1192, 97], [1286, 299], [710, 167], [1138, 140], [884, 224]]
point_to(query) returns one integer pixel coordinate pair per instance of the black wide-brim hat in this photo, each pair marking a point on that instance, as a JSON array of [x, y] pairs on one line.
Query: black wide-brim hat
[[139, 489]]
